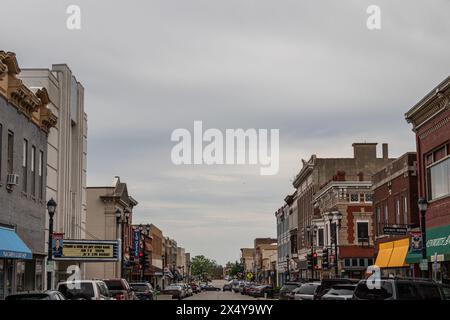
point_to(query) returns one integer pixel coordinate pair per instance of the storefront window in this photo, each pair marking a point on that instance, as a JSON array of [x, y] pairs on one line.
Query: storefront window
[[39, 275], [438, 177], [20, 276], [2, 277], [9, 277]]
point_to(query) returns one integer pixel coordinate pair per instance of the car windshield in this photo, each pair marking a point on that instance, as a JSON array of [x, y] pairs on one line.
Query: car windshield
[[83, 290], [342, 291], [36, 296], [307, 289], [140, 287], [115, 285], [381, 292], [289, 287]]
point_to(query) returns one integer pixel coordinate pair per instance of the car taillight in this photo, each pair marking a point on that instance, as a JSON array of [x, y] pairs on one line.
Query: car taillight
[[120, 296]]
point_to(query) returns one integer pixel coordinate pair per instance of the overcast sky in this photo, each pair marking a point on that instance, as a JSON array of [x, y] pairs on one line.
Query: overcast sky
[[309, 68]]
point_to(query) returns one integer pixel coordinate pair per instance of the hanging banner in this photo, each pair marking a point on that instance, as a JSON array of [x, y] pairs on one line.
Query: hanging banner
[[136, 242]]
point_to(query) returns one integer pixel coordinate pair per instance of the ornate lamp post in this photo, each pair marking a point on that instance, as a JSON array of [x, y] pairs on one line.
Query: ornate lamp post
[[312, 230], [51, 208], [423, 206], [337, 217], [288, 266]]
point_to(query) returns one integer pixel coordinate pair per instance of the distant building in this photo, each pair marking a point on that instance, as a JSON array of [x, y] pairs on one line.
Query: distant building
[[25, 122], [102, 224], [247, 260]]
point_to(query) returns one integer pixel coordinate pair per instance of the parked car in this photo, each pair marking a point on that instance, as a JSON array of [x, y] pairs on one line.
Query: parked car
[[446, 291], [306, 291], [208, 287], [326, 285], [227, 287], [399, 289], [84, 290], [247, 288], [287, 288], [340, 292], [195, 287], [262, 291], [176, 291], [120, 289], [38, 295], [235, 285], [143, 290], [189, 291]]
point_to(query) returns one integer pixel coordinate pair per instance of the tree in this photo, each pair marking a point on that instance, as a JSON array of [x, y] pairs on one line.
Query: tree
[[202, 267], [237, 269]]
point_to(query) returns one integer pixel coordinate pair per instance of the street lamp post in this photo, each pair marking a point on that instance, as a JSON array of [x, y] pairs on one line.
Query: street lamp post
[[337, 217], [122, 220], [51, 208], [312, 230], [288, 266], [423, 206]]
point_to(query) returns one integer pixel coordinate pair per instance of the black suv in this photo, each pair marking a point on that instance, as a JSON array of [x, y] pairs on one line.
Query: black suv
[[287, 288], [398, 289]]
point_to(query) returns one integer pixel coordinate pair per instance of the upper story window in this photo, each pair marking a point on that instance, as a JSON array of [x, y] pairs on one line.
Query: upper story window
[[10, 158], [33, 170], [386, 214], [368, 197], [405, 210], [41, 174], [397, 211], [320, 237], [363, 231], [354, 197], [438, 179], [24, 165]]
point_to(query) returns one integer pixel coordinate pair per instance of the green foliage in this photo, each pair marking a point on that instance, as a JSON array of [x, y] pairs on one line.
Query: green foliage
[[202, 267], [237, 269]]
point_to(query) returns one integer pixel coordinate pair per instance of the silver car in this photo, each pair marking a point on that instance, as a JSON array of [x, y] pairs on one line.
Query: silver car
[[306, 291]]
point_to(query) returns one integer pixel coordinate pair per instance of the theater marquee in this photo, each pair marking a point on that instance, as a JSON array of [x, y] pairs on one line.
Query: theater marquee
[[89, 250]]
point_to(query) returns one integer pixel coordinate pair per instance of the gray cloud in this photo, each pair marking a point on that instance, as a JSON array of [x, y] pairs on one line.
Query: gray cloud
[[309, 68]]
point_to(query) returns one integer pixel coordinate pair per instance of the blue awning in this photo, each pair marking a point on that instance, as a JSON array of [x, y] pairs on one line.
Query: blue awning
[[12, 247]]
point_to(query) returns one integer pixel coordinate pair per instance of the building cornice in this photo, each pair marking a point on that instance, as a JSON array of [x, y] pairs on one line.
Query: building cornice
[[33, 105], [433, 103]]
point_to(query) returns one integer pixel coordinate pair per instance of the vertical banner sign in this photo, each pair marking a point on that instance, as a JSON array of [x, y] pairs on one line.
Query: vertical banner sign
[[57, 244], [416, 242], [136, 242]]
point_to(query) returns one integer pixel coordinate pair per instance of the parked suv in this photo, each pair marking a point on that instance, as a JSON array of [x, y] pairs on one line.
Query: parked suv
[[326, 284], [399, 289], [120, 289], [143, 290], [287, 288], [84, 290]]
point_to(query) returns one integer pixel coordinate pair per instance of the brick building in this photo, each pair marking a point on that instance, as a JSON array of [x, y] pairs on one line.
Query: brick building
[[431, 124], [315, 173], [396, 211]]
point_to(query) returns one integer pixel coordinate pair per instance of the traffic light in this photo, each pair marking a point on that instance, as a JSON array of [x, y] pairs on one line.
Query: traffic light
[[146, 260], [309, 261], [314, 261], [325, 259]]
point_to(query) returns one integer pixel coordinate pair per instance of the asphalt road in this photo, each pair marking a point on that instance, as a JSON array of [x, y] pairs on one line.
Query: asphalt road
[[219, 295]]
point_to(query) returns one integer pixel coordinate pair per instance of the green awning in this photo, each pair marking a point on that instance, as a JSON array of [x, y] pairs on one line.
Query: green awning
[[438, 242]]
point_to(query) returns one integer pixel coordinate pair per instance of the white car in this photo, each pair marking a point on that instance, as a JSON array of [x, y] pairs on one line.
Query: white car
[[306, 291], [84, 290]]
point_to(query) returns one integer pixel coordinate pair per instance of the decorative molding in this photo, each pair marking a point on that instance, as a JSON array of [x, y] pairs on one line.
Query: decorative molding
[[33, 105], [437, 126]]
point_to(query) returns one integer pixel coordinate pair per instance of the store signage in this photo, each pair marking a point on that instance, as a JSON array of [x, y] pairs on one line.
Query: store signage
[[136, 242], [423, 265], [395, 230], [88, 250]]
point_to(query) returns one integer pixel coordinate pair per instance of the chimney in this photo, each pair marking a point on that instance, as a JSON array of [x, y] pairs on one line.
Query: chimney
[[385, 151], [364, 150]]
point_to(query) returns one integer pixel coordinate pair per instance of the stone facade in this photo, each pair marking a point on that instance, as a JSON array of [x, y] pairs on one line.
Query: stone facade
[[25, 121]]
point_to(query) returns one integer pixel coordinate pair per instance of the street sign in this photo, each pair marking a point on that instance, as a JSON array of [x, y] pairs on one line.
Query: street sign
[[423, 265], [395, 230], [50, 266]]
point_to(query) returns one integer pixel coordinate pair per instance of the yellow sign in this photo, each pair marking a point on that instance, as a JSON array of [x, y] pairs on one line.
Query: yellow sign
[[88, 250]]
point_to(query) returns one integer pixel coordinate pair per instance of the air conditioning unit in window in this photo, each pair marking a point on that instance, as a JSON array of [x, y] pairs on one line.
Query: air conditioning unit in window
[[12, 179]]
